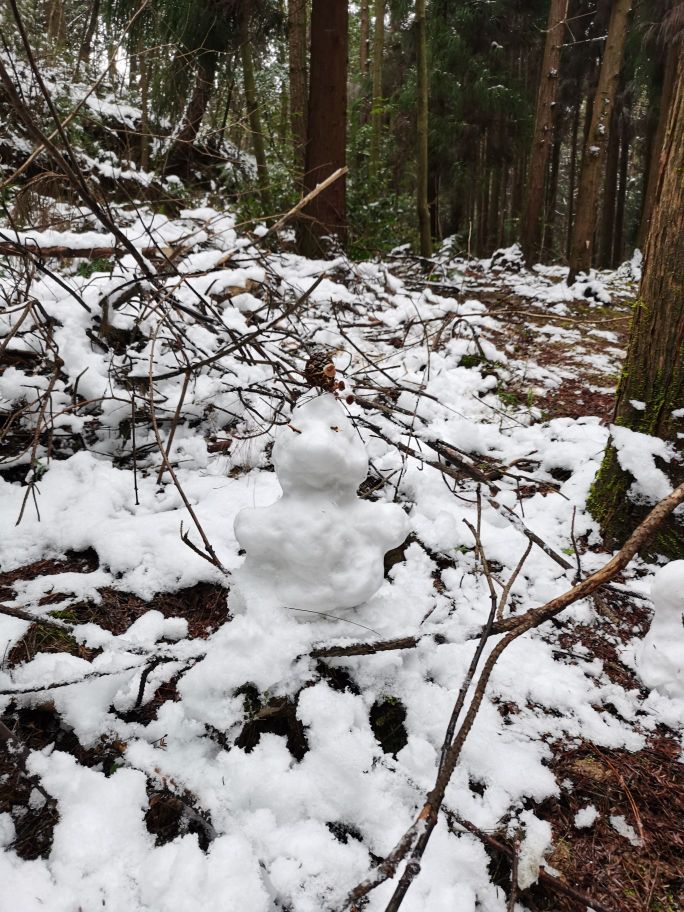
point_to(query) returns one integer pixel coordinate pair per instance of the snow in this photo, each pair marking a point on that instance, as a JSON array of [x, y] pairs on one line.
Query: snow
[[636, 454], [311, 544], [660, 658], [586, 817], [620, 825], [319, 548]]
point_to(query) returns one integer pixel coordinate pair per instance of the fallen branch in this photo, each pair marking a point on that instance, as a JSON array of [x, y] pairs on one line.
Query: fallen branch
[[554, 883], [415, 843]]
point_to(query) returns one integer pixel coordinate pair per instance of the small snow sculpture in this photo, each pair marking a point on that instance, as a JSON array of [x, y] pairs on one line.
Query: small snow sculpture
[[319, 547], [660, 661]]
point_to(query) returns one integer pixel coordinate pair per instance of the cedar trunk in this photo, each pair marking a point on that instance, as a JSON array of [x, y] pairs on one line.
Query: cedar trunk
[[593, 159], [296, 33], [364, 31], [542, 140], [181, 150], [252, 101], [654, 370], [422, 133], [657, 144], [610, 188], [376, 101], [531, 229], [326, 126]]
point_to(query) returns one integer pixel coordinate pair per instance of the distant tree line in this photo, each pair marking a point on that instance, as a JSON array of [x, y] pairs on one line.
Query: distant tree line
[[534, 120]]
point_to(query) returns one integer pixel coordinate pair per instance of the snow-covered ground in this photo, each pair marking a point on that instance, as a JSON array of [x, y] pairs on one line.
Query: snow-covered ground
[[214, 359]]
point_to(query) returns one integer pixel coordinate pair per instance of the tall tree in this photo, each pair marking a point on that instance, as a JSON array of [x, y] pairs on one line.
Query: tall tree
[[363, 38], [252, 102], [651, 390], [542, 140], [296, 33], [326, 214], [666, 95], [377, 100], [586, 215], [422, 131]]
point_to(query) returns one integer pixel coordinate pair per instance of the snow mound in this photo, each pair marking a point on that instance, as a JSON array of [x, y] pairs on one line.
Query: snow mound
[[319, 548], [661, 659]]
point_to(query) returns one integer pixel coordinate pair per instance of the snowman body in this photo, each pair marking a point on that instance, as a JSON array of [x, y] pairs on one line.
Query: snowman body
[[319, 548], [660, 660]]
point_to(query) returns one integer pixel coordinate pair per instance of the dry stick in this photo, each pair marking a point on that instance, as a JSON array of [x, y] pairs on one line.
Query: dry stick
[[244, 340], [47, 396], [16, 247], [512, 578], [428, 816], [210, 554], [554, 883], [33, 619], [304, 201], [474, 662], [356, 649], [174, 423]]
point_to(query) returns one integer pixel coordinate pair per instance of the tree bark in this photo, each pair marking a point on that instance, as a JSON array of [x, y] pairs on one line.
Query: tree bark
[[179, 152], [326, 126], [657, 144], [254, 118], [572, 177], [144, 110], [376, 99], [364, 31], [542, 141], [549, 234], [653, 376], [422, 132], [582, 247], [296, 32], [618, 234], [610, 187], [87, 43]]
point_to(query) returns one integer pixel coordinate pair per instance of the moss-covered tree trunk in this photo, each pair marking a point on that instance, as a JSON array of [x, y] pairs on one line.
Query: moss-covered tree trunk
[[653, 377]]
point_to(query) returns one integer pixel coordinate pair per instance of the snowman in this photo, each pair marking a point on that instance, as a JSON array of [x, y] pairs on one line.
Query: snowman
[[319, 548], [660, 660]]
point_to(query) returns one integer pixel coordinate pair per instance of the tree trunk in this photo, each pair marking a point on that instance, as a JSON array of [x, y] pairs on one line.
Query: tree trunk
[[87, 43], [653, 376], [657, 144], [144, 110], [56, 24], [582, 246], [422, 132], [376, 100], [572, 177], [531, 230], [252, 102], [364, 31], [326, 126], [610, 186], [549, 235], [296, 31], [618, 235], [180, 150]]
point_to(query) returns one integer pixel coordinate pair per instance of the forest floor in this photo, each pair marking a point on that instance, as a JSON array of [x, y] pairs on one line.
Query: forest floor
[[168, 750]]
